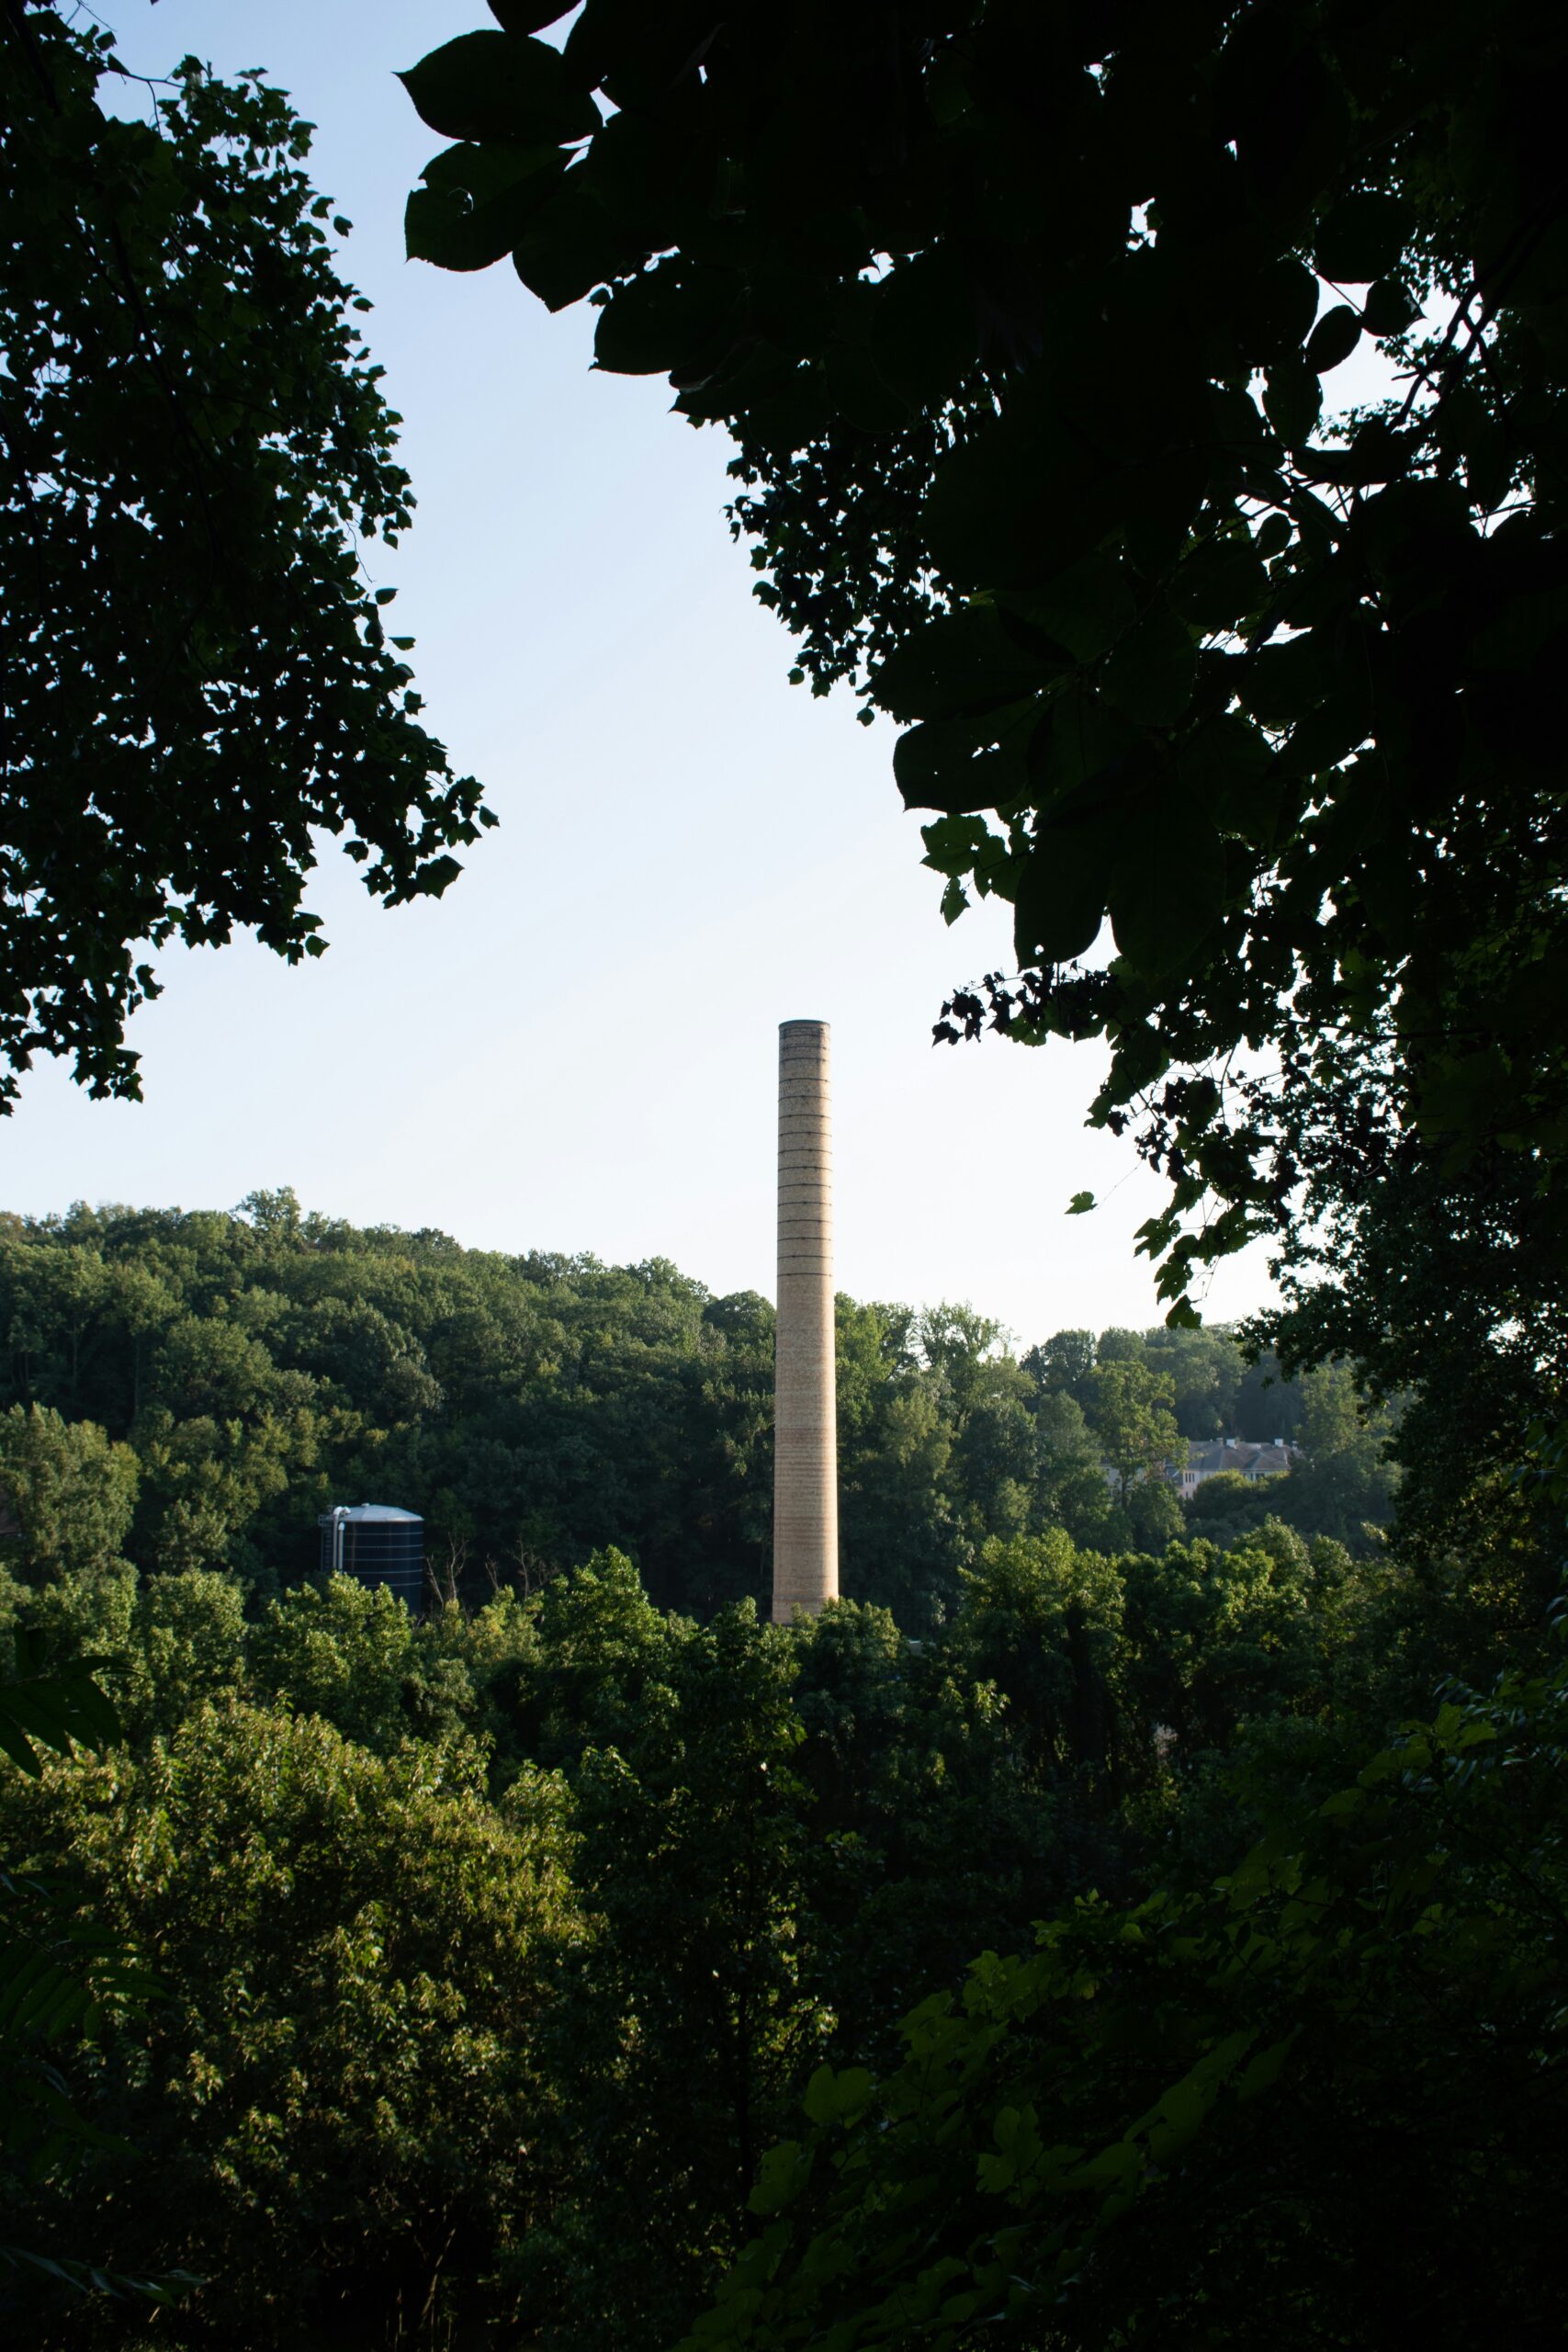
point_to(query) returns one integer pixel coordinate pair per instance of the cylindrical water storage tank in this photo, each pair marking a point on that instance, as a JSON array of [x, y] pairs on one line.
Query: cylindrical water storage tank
[[376, 1545]]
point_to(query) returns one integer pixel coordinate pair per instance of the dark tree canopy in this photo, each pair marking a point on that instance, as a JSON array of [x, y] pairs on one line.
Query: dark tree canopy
[[1026, 320], [193, 443]]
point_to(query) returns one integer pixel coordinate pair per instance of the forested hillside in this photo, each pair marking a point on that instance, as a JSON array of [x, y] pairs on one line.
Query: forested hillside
[[494, 1954], [491, 1957], [206, 1385]]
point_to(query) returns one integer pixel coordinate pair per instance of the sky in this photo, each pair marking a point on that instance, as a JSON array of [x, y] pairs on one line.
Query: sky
[[576, 1048]]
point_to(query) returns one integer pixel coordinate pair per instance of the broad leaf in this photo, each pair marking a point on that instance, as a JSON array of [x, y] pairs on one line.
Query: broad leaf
[[1334, 338], [493, 86], [1167, 887], [958, 662], [961, 765], [1362, 237], [1059, 889], [475, 203]]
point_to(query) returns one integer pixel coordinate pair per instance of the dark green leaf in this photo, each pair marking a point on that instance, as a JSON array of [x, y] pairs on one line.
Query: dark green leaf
[[673, 320], [1085, 608], [1166, 888], [1376, 453], [1149, 676], [1280, 683], [1293, 399], [1085, 739], [571, 245], [475, 203], [491, 85], [960, 765], [1362, 237], [1020, 502], [1221, 582], [1231, 772], [959, 662], [528, 15], [1334, 338], [1274, 308], [1389, 307], [1059, 889], [921, 327]]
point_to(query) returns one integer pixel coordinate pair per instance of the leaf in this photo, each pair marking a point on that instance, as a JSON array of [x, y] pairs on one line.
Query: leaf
[[1059, 893], [1234, 774], [1086, 608], [528, 15], [491, 85], [571, 245], [671, 320], [1275, 308], [1292, 399], [958, 662], [1362, 237], [921, 332], [1084, 739], [961, 765], [1389, 307], [1149, 676], [1167, 885], [781, 2175], [58, 1710], [1221, 582], [1472, 1096], [1021, 500], [1334, 338], [1279, 683], [1376, 453], [1080, 1203], [836, 2099], [475, 203]]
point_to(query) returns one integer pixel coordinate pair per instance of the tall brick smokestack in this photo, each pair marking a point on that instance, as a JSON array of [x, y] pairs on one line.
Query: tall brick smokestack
[[806, 1440]]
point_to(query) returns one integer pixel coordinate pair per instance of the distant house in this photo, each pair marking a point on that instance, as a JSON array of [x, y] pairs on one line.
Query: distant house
[[1249, 1461]]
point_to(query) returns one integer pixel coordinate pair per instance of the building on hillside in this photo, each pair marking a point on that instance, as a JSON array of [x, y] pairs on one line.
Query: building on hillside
[[1247, 1460]]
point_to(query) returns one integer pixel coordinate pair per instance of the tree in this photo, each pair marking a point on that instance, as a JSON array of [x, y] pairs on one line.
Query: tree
[[1321, 2104], [688, 2029], [63, 1977], [1064, 1366], [1041, 1622], [1026, 323], [1130, 1416], [1207, 1368], [337, 2106], [196, 674], [71, 1493]]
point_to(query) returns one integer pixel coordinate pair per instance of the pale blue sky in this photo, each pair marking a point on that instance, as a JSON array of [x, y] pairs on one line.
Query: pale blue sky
[[576, 1048]]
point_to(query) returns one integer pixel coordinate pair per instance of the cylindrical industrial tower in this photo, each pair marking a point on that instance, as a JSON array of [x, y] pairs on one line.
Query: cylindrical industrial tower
[[805, 1437], [376, 1545]]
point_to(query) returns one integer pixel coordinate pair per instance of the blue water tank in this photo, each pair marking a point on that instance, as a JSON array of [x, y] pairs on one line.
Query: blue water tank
[[376, 1545]]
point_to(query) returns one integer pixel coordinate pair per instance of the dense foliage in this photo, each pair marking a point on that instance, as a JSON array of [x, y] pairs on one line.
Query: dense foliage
[[492, 1955], [1321, 2104], [1028, 321], [473, 1971], [190, 1390], [196, 675]]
